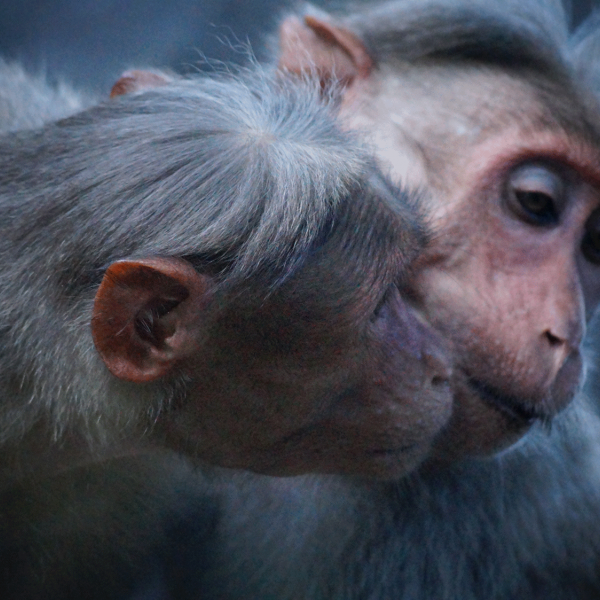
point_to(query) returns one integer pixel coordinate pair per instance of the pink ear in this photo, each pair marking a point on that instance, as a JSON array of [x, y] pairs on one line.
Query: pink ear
[[147, 316], [136, 81], [332, 51]]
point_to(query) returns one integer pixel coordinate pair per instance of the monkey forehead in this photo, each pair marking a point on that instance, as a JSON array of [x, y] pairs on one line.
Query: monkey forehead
[[458, 98], [426, 119], [423, 118]]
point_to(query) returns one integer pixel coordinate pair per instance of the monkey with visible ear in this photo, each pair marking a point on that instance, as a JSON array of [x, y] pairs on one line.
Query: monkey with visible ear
[[489, 106], [212, 268], [195, 248]]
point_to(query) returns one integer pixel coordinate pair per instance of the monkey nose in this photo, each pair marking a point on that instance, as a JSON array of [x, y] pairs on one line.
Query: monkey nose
[[558, 352]]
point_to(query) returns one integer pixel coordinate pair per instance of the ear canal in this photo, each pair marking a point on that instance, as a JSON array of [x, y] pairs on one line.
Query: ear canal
[[147, 316], [315, 44]]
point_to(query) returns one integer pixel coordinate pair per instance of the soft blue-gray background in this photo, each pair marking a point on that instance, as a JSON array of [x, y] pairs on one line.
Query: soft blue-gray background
[[90, 42]]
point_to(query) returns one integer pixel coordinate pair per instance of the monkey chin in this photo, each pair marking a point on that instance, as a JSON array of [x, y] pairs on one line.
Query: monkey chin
[[477, 429], [486, 421], [389, 464], [392, 464]]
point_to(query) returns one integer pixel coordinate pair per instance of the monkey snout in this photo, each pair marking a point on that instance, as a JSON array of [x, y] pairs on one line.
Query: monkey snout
[[415, 352], [428, 349], [410, 326]]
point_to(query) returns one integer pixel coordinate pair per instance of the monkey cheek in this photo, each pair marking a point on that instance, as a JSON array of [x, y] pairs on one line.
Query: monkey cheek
[[387, 429], [378, 429]]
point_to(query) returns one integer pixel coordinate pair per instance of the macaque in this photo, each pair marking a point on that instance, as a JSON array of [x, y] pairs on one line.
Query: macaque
[[211, 269], [490, 106], [194, 281]]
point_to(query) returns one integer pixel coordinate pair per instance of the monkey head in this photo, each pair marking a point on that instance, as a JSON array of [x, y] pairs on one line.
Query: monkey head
[[296, 352], [511, 158], [331, 371]]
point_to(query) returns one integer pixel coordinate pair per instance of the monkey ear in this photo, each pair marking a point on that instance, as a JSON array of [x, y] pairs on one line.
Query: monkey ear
[[137, 81], [316, 44], [147, 316]]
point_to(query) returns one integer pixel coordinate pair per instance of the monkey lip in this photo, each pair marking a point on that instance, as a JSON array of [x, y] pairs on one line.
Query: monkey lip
[[508, 405], [522, 411]]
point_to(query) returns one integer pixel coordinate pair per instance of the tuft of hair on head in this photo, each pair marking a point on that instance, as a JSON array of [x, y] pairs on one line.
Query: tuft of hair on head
[[584, 52], [514, 34]]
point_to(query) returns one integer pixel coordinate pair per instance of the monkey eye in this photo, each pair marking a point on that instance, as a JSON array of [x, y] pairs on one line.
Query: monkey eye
[[590, 245], [536, 195]]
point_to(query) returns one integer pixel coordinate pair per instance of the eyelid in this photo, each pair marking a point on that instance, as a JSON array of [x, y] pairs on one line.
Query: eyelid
[[536, 178]]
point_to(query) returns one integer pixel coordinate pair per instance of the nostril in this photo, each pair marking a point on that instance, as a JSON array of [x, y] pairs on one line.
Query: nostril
[[553, 339]]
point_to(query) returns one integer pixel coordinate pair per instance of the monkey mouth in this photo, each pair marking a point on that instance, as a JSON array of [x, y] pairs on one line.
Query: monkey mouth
[[545, 406], [509, 406]]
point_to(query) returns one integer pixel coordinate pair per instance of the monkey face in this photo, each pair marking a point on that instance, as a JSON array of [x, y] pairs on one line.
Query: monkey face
[[512, 272], [316, 394], [328, 370], [332, 372], [513, 295]]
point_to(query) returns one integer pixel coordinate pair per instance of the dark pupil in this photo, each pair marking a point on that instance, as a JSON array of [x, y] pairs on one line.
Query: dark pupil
[[535, 202], [538, 205], [595, 239]]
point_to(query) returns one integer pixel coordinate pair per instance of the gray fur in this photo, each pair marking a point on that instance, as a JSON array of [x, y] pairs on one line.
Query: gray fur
[[244, 177], [508, 33], [520, 525]]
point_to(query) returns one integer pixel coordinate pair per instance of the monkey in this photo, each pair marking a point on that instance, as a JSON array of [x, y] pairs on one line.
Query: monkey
[[493, 107], [148, 303], [527, 526], [209, 268]]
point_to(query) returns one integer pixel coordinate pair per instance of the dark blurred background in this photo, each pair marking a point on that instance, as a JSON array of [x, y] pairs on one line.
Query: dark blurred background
[[90, 42]]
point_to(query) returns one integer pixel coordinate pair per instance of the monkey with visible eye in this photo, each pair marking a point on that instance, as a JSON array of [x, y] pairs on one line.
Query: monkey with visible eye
[[485, 106]]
